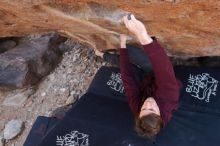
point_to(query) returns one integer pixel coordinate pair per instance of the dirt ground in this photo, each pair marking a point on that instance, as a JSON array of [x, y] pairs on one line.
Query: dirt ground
[[61, 87]]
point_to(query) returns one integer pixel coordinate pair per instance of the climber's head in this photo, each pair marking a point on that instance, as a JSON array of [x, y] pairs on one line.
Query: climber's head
[[149, 121]]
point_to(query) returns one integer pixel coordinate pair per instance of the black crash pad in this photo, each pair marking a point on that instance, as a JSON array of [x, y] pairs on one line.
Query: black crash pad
[[102, 116], [197, 120], [41, 126]]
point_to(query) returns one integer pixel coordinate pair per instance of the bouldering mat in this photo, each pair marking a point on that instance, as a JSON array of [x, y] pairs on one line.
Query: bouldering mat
[[102, 116]]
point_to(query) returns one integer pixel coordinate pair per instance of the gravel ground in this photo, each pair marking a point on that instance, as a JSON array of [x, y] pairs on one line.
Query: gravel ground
[[61, 87]]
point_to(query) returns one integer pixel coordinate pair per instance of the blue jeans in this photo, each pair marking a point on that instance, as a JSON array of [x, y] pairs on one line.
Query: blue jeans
[[141, 63]]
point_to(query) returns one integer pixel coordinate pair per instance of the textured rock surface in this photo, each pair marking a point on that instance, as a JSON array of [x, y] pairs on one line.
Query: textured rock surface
[[13, 128], [17, 97], [61, 87], [6, 44], [184, 27], [29, 61]]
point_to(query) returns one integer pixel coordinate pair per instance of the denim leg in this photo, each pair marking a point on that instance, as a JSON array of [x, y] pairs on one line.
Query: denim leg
[[140, 61], [139, 58], [111, 58]]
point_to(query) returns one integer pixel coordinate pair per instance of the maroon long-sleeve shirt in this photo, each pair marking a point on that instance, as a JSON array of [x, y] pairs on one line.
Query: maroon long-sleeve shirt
[[165, 88]]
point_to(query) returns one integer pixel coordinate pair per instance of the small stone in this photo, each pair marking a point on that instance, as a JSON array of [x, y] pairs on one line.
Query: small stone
[[13, 128], [51, 77], [63, 89], [75, 80], [43, 94], [29, 103], [72, 93], [70, 100], [69, 71], [17, 97]]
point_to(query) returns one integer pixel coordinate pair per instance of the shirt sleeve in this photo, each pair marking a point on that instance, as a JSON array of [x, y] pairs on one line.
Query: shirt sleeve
[[132, 89], [167, 89]]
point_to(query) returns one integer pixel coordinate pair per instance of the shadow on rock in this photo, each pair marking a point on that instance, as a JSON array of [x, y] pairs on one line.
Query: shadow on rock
[[29, 61]]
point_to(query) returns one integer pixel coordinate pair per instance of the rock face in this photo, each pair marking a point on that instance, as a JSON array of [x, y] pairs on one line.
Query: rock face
[[184, 27], [29, 61], [6, 44]]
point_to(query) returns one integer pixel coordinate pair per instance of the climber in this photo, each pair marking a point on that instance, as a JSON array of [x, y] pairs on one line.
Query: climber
[[154, 94]]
